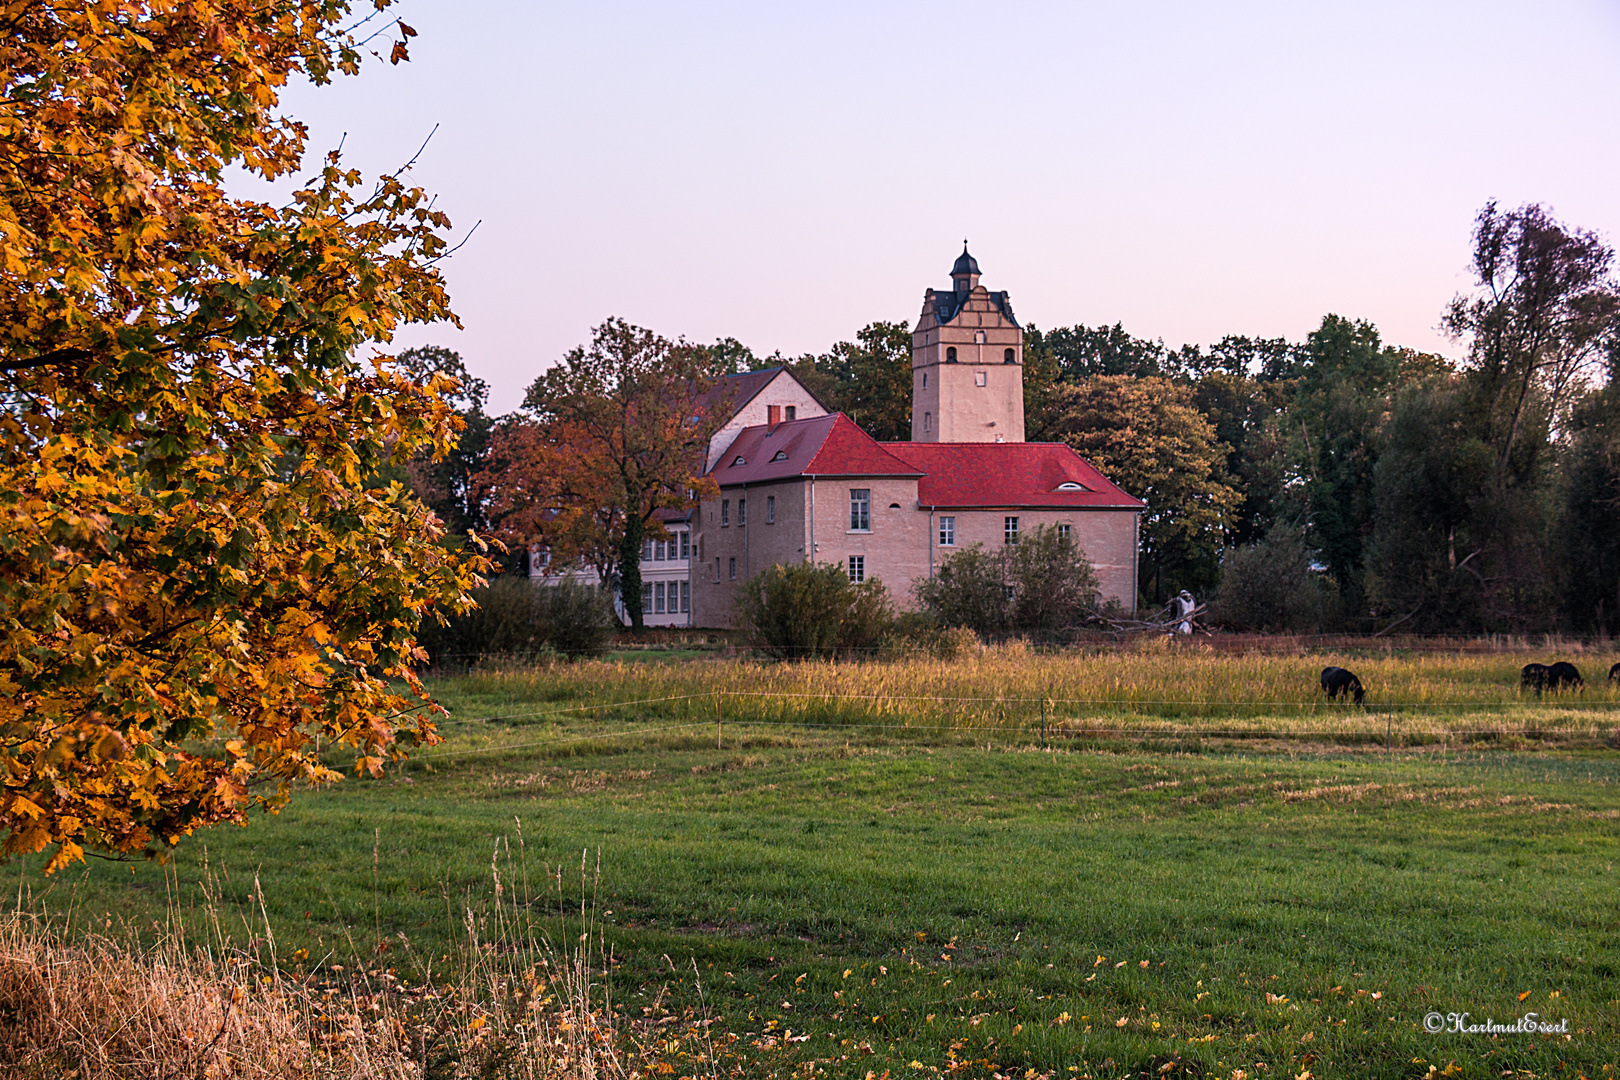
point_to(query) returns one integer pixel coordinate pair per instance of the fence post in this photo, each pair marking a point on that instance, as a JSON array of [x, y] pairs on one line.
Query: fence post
[[1043, 721], [1389, 732], [718, 745]]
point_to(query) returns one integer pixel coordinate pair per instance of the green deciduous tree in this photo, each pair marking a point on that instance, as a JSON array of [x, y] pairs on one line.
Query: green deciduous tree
[[1270, 586], [1545, 313], [1146, 435]]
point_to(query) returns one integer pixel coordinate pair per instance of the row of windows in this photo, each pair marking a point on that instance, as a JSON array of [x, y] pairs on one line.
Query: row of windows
[[857, 572], [1007, 357], [675, 600], [742, 512], [860, 520], [1009, 530], [677, 547]]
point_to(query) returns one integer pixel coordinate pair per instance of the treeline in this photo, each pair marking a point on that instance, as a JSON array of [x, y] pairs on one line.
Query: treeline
[[1337, 483]]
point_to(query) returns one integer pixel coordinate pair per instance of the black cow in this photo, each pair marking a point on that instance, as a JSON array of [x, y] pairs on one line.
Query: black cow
[[1564, 674], [1336, 681], [1614, 673], [1539, 677]]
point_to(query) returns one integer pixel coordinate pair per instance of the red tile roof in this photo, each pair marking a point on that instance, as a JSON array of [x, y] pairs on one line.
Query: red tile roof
[[817, 446], [1008, 474], [949, 474]]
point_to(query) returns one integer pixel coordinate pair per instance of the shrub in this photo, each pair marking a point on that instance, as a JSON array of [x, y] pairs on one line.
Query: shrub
[[807, 610], [1042, 585], [1270, 586], [520, 619]]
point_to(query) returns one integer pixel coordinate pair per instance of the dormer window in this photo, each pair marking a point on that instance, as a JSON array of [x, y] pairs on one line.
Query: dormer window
[[781, 455], [738, 460], [1070, 485]]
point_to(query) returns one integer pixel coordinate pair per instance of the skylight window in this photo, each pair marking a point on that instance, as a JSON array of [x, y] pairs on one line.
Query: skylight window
[[738, 460], [1070, 485], [781, 455]]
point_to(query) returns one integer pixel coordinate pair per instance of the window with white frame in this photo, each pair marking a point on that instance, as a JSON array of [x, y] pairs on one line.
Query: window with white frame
[[860, 509], [857, 568], [686, 597], [658, 551], [686, 544], [742, 512], [658, 598], [947, 532], [717, 568], [646, 600], [1009, 530], [646, 550], [725, 513], [731, 568], [1063, 530], [770, 509]]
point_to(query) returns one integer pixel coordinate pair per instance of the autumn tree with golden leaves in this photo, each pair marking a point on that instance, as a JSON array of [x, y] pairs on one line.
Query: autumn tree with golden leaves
[[201, 575]]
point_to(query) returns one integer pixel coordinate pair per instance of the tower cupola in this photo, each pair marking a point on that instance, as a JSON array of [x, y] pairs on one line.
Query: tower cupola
[[965, 274]]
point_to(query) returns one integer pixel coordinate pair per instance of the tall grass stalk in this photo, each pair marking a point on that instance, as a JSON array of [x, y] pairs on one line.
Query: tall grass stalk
[[510, 1000]]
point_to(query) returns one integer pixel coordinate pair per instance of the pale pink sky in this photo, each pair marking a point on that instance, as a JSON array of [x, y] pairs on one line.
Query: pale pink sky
[[785, 174]]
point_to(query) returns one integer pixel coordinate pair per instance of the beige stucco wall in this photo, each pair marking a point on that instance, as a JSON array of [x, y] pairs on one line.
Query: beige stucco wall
[[898, 548], [952, 407], [755, 546]]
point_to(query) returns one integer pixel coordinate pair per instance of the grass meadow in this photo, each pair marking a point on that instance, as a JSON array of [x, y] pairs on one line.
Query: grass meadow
[[877, 869]]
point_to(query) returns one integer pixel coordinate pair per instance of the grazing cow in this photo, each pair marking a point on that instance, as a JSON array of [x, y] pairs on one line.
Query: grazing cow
[[1563, 674], [1539, 677], [1336, 681], [1614, 673]]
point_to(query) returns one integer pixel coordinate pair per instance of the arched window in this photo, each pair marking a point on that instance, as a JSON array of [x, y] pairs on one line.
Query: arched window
[[950, 354], [1008, 356]]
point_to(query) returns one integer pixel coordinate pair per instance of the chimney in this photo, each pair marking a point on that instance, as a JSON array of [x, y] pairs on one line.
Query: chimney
[[773, 415]]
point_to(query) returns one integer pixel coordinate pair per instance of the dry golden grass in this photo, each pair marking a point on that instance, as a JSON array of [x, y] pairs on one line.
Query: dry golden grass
[[1159, 687], [505, 1003]]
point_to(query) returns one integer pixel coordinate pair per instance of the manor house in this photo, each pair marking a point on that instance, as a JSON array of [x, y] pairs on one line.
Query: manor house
[[798, 484]]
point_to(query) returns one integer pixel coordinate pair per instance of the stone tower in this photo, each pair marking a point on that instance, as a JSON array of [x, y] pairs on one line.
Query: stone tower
[[967, 363]]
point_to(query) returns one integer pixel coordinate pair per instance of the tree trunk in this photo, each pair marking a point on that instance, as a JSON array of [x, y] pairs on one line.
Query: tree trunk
[[630, 569]]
